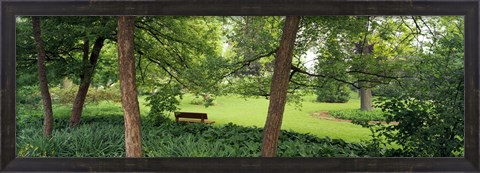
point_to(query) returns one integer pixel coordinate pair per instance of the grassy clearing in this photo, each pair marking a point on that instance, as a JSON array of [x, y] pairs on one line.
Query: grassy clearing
[[253, 112]]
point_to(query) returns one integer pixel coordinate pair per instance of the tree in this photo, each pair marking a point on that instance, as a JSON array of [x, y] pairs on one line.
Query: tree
[[88, 68], [126, 64], [69, 53], [365, 90], [359, 51], [42, 76], [279, 86]]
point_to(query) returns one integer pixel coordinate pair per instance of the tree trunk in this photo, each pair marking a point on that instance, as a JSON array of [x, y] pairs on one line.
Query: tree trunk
[[365, 92], [88, 69], [126, 65], [366, 99], [42, 76], [279, 86]]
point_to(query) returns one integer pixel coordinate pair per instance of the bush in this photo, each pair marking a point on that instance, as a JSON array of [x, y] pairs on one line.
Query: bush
[[197, 101], [28, 96], [333, 92], [425, 129], [66, 96], [358, 115], [206, 99], [165, 100]]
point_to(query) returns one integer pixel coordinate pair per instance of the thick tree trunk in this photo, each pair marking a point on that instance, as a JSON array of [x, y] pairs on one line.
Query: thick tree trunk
[[366, 99], [279, 86], [365, 92], [88, 70], [42, 76], [126, 65]]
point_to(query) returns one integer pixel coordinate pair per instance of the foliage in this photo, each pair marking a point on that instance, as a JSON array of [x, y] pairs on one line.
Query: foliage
[[164, 100], [179, 49], [197, 101], [28, 96], [252, 44], [336, 41], [63, 37], [92, 140], [101, 137], [389, 90], [333, 92], [423, 129], [206, 99], [358, 115], [67, 95], [378, 144], [429, 106], [252, 41]]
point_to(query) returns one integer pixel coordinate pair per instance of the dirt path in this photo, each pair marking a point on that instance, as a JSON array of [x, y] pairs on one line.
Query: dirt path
[[325, 116]]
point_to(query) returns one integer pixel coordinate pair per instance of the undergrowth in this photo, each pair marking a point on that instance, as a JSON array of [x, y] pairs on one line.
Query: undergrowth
[[103, 136], [358, 115]]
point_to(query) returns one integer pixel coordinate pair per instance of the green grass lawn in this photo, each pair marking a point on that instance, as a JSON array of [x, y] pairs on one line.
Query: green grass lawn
[[252, 112]]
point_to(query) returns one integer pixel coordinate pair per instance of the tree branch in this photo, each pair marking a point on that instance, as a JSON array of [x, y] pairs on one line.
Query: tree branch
[[173, 53], [377, 75], [166, 70], [323, 76]]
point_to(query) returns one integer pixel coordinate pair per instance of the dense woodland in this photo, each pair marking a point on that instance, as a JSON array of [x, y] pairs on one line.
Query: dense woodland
[[405, 69]]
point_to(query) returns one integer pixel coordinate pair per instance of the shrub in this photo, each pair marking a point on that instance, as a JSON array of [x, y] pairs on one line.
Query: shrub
[[105, 94], [358, 115], [165, 100], [197, 101], [66, 96], [425, 128], [28, 96], [205, 99]]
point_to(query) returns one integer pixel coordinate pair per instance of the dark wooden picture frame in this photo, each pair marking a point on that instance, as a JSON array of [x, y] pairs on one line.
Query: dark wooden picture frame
[[11, 8]]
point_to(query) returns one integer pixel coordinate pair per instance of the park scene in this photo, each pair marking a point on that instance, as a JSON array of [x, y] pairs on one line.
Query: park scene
[[240, 86]]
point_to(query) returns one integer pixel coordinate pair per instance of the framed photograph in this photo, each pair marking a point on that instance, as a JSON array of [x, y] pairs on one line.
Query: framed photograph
[[465, 21]]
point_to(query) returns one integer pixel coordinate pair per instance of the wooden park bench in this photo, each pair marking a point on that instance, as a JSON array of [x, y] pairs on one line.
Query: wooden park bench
[[192, 117]]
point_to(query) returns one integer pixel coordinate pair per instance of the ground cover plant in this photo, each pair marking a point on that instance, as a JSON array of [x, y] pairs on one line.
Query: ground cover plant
[[101, 136], [358, 115]]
